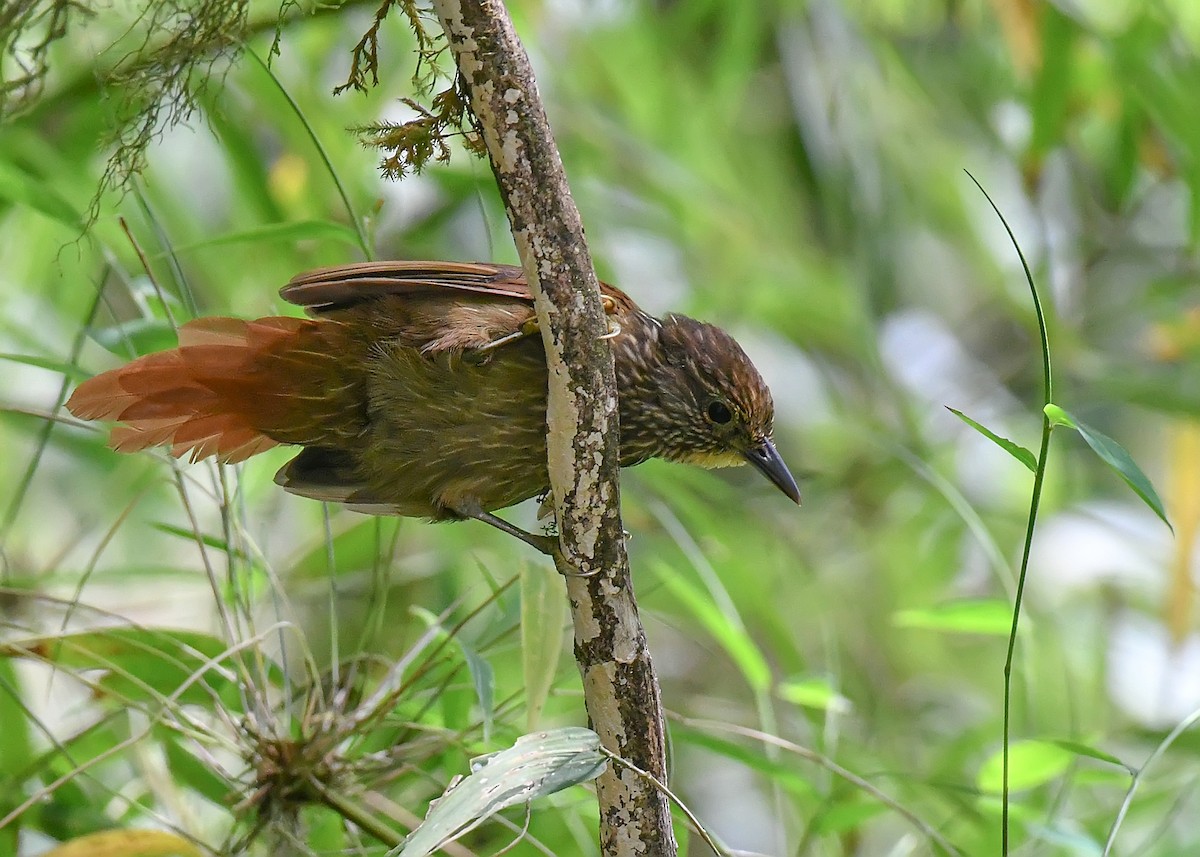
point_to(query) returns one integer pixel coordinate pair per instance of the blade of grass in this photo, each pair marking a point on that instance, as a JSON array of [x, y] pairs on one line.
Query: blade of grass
[[363, 241], [18, 499], [1039, 476], [291, 231]]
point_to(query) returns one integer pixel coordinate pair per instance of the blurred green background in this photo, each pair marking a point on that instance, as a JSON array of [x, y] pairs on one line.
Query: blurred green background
[[793, 171]]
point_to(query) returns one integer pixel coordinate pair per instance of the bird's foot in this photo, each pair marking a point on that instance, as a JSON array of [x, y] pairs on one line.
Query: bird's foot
[[530, 327], [610, 307], [484, 352], [547, 545]]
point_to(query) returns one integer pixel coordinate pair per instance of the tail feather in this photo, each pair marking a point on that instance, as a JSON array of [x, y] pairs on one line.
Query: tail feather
[[220, 393]]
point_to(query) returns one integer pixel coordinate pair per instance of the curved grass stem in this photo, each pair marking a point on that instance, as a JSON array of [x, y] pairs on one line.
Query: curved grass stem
[[363, 240], [1039, 476]]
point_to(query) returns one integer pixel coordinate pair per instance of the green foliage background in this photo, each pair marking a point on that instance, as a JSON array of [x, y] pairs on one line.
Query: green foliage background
[[790, 170]]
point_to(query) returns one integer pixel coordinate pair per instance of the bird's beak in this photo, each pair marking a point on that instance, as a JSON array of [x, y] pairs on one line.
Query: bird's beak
[[766, 460]]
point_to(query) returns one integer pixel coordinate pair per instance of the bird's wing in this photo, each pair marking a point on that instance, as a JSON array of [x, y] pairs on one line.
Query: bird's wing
[[342, 286], [434, 306]]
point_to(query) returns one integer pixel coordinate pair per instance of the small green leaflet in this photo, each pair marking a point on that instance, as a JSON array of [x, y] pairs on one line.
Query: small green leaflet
[[1017, 451], [1115, 456]]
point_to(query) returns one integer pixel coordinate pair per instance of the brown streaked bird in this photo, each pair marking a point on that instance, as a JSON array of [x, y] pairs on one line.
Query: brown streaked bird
[[419, 389]]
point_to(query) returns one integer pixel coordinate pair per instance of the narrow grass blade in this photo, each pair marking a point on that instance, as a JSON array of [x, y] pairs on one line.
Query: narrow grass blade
[[19, 187], [72, 372], [301, 230], [1092, 753]]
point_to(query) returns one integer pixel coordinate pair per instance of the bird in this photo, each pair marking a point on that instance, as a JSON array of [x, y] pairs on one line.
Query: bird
[[419, 389]]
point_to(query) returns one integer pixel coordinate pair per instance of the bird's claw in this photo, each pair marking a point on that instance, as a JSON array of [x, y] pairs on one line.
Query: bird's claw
[[530, 327], [614, 330], [527, 328]]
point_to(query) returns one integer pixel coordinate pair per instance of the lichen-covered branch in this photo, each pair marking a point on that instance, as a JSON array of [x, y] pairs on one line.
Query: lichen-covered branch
[[610, 645]]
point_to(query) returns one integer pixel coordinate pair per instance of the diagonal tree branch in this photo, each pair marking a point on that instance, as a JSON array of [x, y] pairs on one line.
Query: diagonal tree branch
[[620, 688]]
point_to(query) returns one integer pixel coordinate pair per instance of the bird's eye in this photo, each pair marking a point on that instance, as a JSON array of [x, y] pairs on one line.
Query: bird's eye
[[718, 412]]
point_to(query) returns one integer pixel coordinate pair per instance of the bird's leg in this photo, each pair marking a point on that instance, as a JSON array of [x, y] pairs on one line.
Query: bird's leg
[[530, 327], [545, 544]]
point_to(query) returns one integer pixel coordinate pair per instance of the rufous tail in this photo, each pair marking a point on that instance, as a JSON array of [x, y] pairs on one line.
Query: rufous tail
[[214, 395]]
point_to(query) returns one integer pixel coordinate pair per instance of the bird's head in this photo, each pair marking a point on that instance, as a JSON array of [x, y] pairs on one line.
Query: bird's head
[[711, 407]]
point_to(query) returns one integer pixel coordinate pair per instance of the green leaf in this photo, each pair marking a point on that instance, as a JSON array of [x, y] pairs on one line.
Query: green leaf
[[1052, 83], [733, 639], [483, 677], [142, 335], [190, 536], [543, 607], [1115, 456], [143, 665], [71, 371], [354, 545], [187, 770], [1058, 417], [1017, 451], [969, 616], [325, 831], [20, 187], [778, 772], [1030, 764], [815, 693], [300, 230], [846, 815], [16, 749], [537, 764]]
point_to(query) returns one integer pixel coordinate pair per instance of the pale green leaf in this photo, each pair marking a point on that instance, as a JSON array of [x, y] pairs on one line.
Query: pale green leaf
[[538, 764], [737, 644], [815, 693], [969, 616], [1031, 764]]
